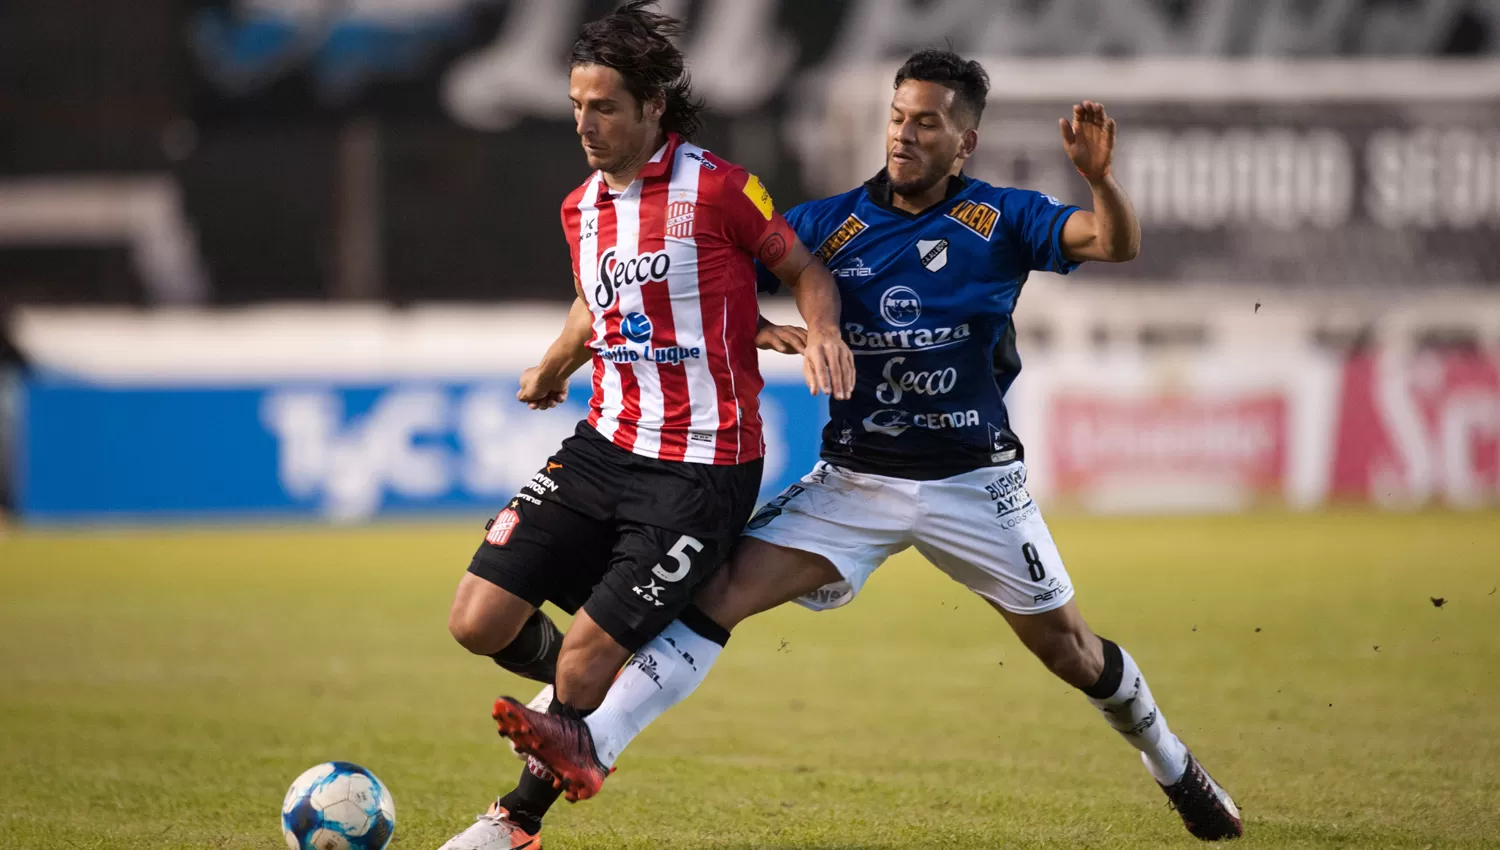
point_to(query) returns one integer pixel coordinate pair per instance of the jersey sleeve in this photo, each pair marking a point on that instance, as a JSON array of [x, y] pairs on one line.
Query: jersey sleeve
[[765, 281], [748, 216], [1038, 220]]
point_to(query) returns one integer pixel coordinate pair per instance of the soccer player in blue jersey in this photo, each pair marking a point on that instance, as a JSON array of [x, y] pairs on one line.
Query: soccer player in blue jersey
[[930, 263]]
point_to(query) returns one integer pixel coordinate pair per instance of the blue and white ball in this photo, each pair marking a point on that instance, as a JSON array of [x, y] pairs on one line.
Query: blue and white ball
[[337, 806]]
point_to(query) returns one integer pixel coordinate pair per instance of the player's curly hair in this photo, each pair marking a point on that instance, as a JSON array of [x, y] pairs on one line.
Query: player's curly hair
[[966, 78], [637, 42]]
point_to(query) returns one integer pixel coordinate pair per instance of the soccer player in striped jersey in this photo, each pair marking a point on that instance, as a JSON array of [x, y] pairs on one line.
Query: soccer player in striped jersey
[[645, 500]]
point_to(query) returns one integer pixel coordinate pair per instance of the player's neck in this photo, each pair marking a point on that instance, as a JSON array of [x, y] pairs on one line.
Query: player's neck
[[620, 179], [921, 201]]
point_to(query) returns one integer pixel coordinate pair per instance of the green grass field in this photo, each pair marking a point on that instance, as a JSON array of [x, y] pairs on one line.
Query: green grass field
[[160, 689]]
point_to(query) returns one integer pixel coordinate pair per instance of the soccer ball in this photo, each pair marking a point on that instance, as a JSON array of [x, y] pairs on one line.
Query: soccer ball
[[337, 806]]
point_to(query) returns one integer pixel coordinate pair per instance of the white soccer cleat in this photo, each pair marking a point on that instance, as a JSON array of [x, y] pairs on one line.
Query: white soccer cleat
[[539, 703], [494, 830]]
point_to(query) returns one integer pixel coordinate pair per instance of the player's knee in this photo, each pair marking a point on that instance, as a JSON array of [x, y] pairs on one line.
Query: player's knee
[[479, 631]]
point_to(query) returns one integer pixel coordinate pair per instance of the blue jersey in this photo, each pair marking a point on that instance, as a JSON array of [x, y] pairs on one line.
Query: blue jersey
[[927, 303]]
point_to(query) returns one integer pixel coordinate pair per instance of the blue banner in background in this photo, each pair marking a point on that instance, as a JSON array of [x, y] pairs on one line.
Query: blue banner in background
[[345, 453]]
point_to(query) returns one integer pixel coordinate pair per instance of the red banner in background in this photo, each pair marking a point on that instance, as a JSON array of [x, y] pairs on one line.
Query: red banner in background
[[1148, 446], [1418, 429]]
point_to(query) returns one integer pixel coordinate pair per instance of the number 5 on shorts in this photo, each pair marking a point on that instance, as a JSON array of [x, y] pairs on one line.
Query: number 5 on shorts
[[678, 553]]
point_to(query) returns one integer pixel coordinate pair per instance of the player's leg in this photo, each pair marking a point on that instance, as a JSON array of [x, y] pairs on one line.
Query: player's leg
[[486, 619], [666, 671], [545, 551], [816, 543], [983, 529]]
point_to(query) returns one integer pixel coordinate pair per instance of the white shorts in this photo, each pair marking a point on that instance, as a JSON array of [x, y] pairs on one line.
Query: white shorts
[[981, 528]]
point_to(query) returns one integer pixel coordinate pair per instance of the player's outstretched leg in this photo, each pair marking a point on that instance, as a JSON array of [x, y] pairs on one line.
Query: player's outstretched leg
[[1123, 696], [1110, 679]]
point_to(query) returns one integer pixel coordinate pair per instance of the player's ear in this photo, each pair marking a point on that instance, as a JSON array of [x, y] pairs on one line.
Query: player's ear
[[968, 144], [655, 108]]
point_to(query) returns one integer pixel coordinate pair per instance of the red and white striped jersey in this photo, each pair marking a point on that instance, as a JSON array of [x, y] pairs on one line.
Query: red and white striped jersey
[[667, 267]]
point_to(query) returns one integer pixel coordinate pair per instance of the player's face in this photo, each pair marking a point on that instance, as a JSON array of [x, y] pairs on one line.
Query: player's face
[[923, 139], [613, 126]]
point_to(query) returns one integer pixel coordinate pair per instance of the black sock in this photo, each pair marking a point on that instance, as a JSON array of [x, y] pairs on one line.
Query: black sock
[[533, 796], [533, 653]]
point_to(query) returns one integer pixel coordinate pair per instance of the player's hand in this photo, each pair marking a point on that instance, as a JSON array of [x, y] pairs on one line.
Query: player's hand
[[1089, 139], [828, 365], [542, 390], [784, 339]]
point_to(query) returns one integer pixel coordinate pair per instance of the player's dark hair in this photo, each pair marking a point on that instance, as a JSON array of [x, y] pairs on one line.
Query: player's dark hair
[[637, 42], [966, 78]]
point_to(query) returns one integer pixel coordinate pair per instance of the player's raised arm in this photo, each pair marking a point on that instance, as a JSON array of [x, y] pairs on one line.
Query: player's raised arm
[[1111, 233], [545, 385], [827, 362]]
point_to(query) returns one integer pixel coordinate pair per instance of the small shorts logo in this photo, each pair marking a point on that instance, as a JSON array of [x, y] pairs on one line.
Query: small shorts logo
[[636, 327], [900, 306], [505, 523]]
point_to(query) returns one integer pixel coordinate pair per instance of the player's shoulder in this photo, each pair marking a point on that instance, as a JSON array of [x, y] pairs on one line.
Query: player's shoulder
[[829, 212], [575, 197], [715, 173], [1006, 198]]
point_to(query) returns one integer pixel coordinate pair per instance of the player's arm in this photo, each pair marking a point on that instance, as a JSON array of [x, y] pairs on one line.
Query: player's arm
[[827, 362], [1111, 233], [545, 385], [752, 223]]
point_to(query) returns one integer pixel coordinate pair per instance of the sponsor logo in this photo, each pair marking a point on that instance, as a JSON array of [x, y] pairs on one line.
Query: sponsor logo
[[694, 155], [589, 227], [922, 339], [900, 306], [615, 274], [500, 530], [671, 355], [934, 383], [1419, 429], [650, 592], [527, 497], [541, 484], [701, 436], [1160, 445], [829, 597], [976, 216], [636, 327], [895, 422], [1009, 493], [1015, 520], [680, 219], [836, 241], [856, 268], [645, 662], [552, 464], [934, 253], [759, 196], [1058, 592], [773, 508]]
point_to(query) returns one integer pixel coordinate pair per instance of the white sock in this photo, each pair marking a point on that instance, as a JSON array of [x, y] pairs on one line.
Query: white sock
[[1133, 713], [663, 673]]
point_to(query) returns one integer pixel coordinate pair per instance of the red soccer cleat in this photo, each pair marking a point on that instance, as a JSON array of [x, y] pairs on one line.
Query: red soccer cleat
[[563, 744]]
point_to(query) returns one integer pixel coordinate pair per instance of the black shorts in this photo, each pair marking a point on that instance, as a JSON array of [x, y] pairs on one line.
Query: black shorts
[[627, 538]]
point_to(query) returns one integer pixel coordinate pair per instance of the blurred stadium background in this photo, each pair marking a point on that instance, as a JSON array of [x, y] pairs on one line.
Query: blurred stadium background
[[283, 260]]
